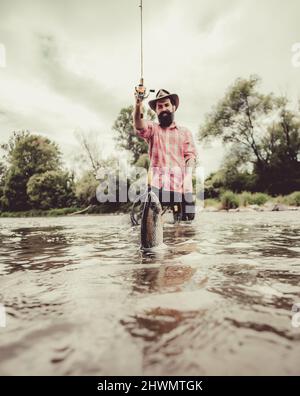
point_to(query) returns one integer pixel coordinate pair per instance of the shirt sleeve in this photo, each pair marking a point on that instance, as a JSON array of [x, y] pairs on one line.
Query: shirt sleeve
[[189, 146], [147, 132]]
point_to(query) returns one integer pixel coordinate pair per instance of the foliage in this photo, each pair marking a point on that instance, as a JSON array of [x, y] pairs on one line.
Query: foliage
[[126, 138], [293, 199], [263, 137], [259, 199], [51, 189], [211, 202], [41, 212], [86, 189], [143, 161], [214, 184], [31, 153], [229, 200], [27, 155]]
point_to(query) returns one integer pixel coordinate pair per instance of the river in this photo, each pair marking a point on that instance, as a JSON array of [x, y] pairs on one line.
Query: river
[[81, 299]]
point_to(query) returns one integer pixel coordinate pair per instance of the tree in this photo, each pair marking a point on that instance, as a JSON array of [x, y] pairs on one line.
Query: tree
[[3, 171], [281, 145], [26, 155], [14, 190], [90, 155], [126, 138], [262, 135], [86, 188], [32, 153], [143, 161], [51, 189]]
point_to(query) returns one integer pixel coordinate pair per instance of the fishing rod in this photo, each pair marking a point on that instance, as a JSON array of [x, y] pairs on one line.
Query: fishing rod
[[142, 94], [141, 89]]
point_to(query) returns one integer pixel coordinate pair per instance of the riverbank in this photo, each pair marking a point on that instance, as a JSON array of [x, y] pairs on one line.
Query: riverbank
[[268, 207], [41, 213], [247, 202], [73, 211], [228, 202]]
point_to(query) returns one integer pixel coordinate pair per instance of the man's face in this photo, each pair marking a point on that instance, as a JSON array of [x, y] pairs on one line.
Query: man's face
[[164, 105]]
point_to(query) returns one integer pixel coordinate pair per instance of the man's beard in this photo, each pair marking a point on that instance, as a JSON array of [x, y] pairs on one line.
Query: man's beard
[[165, 118]]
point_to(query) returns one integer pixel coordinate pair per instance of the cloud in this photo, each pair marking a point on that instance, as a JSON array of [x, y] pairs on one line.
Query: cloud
[[78, 88], [73, 66]]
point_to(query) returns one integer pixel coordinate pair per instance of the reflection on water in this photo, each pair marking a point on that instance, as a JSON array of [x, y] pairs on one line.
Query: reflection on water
[[82, 299]]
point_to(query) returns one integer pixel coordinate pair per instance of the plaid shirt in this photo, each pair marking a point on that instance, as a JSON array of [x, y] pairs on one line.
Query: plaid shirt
[[169, 149]]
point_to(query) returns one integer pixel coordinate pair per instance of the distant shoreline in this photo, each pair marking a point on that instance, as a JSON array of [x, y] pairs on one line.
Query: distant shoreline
[[267, 207]]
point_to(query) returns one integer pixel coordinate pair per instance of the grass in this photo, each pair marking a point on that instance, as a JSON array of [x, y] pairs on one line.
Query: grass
[[230, 200], [99, 209], [293, 199], [212, 203], [40, 212], [246, 198]]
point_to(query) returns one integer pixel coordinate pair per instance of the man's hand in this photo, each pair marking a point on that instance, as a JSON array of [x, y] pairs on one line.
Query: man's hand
[[191, 163], [138, 121], [188, 176], [140, 91], [138, 100]]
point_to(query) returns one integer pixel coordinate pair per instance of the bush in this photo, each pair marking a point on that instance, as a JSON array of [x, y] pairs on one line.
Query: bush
[[245, 198], [211, 202], [293, 199], [40, 212], [85, 189], [259, 198], [61, 211], [51, 189], [229, 200], [143, 161]]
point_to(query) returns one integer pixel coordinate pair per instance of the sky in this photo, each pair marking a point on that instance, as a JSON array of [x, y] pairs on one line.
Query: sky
[[70, 66]]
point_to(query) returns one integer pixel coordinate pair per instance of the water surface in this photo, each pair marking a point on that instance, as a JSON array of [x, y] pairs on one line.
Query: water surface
[[82, 299]]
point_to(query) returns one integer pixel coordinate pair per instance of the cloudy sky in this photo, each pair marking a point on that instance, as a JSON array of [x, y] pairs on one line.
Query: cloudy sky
[[72, 65]]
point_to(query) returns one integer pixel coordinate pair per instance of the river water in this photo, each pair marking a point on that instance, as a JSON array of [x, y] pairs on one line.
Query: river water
[[80, 298]]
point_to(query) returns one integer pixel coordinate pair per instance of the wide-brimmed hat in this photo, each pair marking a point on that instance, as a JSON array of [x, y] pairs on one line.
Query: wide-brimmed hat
[[163, 94]]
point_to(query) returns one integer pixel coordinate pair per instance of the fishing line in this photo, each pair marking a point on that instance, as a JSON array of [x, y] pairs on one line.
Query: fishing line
[[141, 89]]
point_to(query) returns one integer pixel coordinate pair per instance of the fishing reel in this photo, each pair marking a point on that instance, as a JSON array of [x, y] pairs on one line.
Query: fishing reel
[[141, 90]]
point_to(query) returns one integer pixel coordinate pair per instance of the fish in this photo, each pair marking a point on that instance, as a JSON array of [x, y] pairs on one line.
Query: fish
[[151, 223]]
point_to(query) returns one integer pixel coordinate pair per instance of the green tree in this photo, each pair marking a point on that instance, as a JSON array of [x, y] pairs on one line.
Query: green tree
[[214, 184], [143, 161], [32, 153], [26, 155], [86, 189], [281, 147], [3, 171], [14, 190], [51, 189], [126, 138], [262, 135]]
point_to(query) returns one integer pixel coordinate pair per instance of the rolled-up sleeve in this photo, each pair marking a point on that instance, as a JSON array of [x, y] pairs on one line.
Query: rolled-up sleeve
[[190, 150], [147, 132]]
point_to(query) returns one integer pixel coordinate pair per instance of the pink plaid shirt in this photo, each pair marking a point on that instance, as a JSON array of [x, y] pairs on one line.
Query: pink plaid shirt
[[169, 149]]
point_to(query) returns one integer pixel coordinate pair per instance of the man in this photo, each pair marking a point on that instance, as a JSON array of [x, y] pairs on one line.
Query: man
[[172, 154]]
